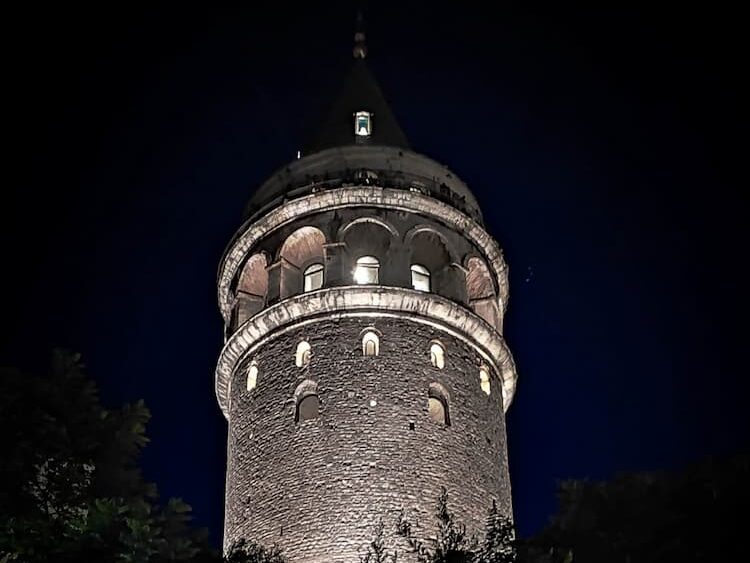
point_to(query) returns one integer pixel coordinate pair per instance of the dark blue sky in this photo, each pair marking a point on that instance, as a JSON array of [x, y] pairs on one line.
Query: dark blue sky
[[604, 145]]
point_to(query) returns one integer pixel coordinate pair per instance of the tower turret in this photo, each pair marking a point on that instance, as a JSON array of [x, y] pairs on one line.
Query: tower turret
[[364, 366]]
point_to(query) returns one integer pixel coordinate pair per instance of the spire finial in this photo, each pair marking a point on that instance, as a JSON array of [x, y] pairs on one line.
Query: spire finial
[[360, 48]]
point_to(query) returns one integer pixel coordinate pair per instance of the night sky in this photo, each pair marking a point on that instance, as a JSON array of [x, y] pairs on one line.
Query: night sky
[[605, 146]]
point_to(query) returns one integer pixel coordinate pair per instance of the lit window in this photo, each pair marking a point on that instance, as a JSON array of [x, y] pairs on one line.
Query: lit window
[[370, 344], [484, 380], [302, 356], [437, 405], [363, 123], [366, 270], [252, 376], [308, 407], [313, 275], [420, 278], [437, 355]]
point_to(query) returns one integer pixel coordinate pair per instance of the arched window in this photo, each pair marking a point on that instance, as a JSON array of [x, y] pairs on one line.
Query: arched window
[[481, 291], [303, 247], [437, 355], [307, 404], [308, 408], [370, 344], [420, 277], [313, 275], [366, 270], [252, 376], [437, 405], [484, 379], [302, 356]]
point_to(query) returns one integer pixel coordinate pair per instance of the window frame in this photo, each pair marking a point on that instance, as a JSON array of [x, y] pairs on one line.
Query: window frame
[[367, 264], [485, 383], [370, 337], [437, 355], [307, 275], [302, 354], [438, 393], [298, 407], [420, 272], [366, 115], [252, 376]]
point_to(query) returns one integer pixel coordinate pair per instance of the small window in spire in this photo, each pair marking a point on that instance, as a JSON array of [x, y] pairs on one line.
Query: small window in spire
[[363, 124]]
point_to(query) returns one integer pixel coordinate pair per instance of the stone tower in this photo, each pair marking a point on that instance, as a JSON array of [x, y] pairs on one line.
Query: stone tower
[[364, 366]]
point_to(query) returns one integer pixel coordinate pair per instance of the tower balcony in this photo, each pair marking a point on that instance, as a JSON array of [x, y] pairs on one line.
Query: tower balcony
[[371, 301]]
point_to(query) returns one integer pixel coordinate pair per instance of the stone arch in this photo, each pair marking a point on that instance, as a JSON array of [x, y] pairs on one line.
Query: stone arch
[[302, 354], [252, 287], [485, 383], [437, 354], [359, 220], [426, 230], [306, 401], [368, 236], [252, 376], [480, 291], [429, 248], [370, 338], [438, 404], [301, 249]]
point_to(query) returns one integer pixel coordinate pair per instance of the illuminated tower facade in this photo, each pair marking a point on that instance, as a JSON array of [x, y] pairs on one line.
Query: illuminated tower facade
[[364, 366]]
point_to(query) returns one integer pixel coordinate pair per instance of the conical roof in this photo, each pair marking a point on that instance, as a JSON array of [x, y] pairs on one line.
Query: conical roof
[[360, 92]]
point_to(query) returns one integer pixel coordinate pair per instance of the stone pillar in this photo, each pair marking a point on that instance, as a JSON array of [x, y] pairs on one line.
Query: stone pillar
[[274, 282], [335, 261], [396, 269], [291, 279], [450, 282]]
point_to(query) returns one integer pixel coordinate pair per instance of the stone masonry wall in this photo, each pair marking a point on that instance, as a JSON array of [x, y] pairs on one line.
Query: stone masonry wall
[[318, 488]]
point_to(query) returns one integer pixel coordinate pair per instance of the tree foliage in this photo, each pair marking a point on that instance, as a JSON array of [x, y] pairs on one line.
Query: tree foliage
[[70, 485], [689, 516], [452, 543], [71, 490]]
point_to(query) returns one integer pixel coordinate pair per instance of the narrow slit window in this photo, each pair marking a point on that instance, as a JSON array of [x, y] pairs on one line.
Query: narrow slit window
[[437, 355], [370, 344], [420, 277], [302, 356], [484, 380], [313, 275], [252, 376], [366, 270]]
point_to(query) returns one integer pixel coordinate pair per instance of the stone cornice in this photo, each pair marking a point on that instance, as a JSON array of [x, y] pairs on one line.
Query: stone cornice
[[371, 301], [357, 196]]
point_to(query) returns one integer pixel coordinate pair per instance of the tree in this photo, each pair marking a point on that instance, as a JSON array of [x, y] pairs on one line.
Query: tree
[[376, 550], [70, 485], [688, 516], [452, 544]]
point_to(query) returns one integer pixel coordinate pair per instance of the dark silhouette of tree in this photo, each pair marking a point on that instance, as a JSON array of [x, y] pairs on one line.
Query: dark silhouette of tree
[[71, 489], [452, 544], [251, 552], [376, 550], [664, 517]]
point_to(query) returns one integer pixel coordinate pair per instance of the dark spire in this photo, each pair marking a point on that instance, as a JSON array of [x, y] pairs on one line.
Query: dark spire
[[360, 47], [360, 93]]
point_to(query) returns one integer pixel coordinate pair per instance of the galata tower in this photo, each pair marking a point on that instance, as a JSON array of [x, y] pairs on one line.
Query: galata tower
[[364, 367]]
